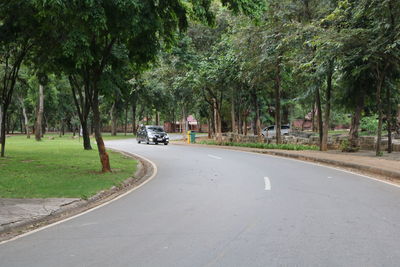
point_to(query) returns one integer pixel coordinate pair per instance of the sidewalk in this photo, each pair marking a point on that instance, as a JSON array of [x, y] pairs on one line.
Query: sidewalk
[[364, 162], [17, 211]]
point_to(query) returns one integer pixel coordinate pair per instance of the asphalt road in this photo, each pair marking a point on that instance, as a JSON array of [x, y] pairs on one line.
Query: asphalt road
[[214, 207]]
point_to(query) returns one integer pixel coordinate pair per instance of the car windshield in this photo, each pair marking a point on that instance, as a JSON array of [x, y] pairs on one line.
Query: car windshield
[[156, 129]]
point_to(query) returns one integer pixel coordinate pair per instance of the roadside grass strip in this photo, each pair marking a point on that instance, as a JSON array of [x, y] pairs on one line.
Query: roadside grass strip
[[261, 145], [57, 167]]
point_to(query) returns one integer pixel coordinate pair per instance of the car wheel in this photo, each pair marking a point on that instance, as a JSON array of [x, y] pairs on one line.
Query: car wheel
[[147, 141], [138, 141], [166, 143], [156, 143]]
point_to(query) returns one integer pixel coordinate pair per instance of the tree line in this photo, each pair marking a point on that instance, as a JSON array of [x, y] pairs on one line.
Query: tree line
[[338, 60], [93, 44], [235, 64]]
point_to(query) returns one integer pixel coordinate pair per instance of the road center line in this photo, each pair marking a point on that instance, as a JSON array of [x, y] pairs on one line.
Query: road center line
[[214, 157], [267, 183]]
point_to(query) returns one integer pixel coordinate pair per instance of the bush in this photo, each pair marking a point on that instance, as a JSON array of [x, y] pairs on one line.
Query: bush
[[262, 145], [369, 125]]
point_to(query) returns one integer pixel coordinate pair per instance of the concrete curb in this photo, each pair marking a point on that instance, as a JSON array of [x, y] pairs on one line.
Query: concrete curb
[[144, 171], [359, 168]]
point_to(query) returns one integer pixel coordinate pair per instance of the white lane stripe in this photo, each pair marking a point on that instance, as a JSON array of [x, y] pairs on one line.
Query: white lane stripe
[[267, 183], [214, 157]]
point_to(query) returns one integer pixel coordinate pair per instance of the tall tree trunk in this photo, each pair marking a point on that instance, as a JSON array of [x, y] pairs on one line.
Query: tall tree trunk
[[380, 118], [104, 158], [320, 124], [21, 125], [82, 105], [240, 122], [278, 100], [8, 123], [233, 116], [134, 107], [126, 120], [11, 123], [209, 128], [173, 120], [86, 135], [217, 118], [60, 129], [39, 115], [354, 144], [257, 121], [313, 121], [113, 114], [381, 80], [324, 145], [26, 120], [389, 119], [182, 123], [157, 118], [245, 124], [285, 114], [212, 119], [398, 120]]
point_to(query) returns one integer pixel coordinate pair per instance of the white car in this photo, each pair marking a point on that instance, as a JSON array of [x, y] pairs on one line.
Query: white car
[[270, 130]]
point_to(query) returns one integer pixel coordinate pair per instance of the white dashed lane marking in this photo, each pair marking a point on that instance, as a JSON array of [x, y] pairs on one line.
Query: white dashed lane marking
[[267, 183], [214, 157]]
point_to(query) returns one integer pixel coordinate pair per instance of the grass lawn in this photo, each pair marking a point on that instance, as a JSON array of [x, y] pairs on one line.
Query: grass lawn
[[57, 168], [107, 136]]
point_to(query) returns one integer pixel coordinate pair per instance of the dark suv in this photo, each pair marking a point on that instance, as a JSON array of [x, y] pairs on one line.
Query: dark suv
[[152, 133]]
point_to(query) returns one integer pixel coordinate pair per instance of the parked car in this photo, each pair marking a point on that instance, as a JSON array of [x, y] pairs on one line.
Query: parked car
[[152, 133], [271, 132]]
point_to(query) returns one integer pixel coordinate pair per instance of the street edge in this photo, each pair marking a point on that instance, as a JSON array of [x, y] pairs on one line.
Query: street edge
[[145, 172], [389, 177]]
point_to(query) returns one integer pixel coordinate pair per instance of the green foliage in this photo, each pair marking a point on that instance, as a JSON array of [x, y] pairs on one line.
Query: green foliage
[[345, 146], [369, 125]]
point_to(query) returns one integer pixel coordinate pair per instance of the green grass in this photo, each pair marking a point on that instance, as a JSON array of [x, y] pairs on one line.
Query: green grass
[[261, 145], [106, 136], [57, 168], [346, 132]]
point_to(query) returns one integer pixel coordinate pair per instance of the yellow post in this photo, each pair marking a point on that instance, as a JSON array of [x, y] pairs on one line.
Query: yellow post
[[188, 137]]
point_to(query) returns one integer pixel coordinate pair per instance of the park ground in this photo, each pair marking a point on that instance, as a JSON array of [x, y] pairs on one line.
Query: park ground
[[58, 167]]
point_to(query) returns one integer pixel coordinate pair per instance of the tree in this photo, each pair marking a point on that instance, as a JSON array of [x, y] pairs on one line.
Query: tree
[[18, 24], [92, 35]]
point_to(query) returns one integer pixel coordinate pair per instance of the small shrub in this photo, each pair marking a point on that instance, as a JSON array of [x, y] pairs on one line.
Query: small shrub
[[346, 146], [369, 125]]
